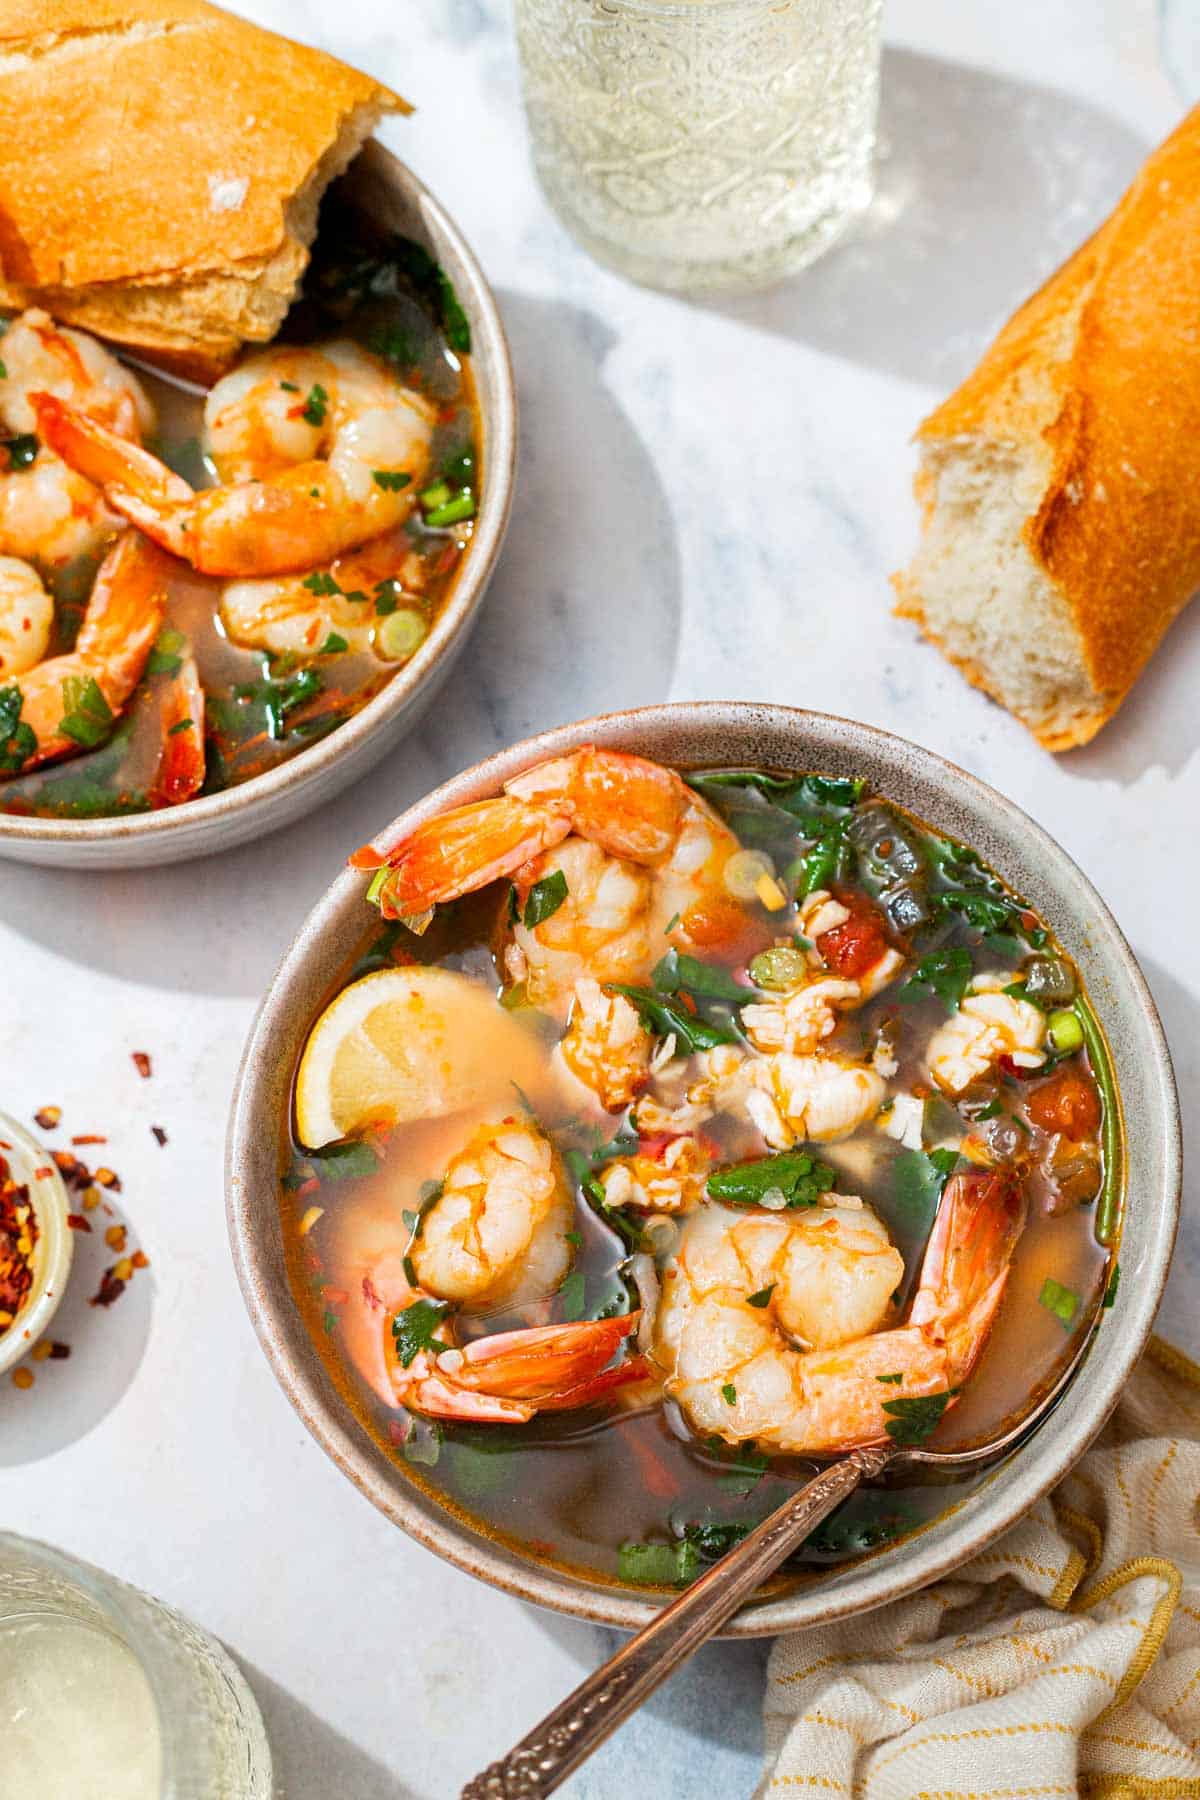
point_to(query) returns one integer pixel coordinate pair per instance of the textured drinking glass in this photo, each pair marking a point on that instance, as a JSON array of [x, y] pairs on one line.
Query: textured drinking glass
[[702, 143], [168, 1714]]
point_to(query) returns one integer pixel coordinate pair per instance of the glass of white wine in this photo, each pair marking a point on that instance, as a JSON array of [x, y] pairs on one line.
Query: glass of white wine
[[697, 144], [106, 1694]]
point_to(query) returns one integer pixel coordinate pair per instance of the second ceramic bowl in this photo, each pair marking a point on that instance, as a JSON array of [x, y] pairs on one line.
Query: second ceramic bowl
[[695, 735], [391, 198]]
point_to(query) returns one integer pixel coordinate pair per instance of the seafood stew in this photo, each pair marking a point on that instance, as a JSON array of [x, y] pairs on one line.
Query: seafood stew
[[673, 1132], [194, 588]]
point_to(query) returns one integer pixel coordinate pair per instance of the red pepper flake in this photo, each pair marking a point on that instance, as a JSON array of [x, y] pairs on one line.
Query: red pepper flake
[[108, 1178], [42, 1173], [111, 1288], [159, 1135], [89, 1137], [308, 1187], [141, 1063], [47, 1117], [59, 1352], [78, 1222], [140, 1260]]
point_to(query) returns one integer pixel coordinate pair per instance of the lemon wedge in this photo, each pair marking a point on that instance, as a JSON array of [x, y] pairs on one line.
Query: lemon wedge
[[406, 1044]]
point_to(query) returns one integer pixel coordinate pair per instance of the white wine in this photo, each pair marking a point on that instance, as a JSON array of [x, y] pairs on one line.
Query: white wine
[[702, 143], [77, 1718]]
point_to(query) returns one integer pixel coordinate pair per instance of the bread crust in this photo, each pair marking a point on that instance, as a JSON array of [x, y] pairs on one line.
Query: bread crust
[[169, 164], [1096, 380]]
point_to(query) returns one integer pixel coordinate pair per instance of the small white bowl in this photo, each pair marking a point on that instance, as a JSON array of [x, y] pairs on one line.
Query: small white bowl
[[31, 1164]]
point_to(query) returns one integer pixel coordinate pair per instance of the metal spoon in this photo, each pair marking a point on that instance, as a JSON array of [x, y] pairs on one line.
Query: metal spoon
[[567, 1736]]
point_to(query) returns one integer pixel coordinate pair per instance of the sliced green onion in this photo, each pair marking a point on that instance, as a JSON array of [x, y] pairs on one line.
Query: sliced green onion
[[743, 872], [1064, 1031], [378, 882], [454, 511], [1062, 1301], [401, 633], [436, 494], [1108, 1205], [781, 967]]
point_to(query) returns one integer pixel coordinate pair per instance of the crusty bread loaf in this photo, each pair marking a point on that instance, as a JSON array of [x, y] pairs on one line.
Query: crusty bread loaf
[[164, 167], [1060, 484]]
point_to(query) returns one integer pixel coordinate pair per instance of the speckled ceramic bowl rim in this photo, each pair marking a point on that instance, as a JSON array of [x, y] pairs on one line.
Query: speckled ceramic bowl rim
[[914, 1562], [55, 1246], [490, 349]]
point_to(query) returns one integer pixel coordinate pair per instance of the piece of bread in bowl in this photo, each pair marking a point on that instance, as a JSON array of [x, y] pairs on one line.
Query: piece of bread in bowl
[[1060, 484], [165, 165]]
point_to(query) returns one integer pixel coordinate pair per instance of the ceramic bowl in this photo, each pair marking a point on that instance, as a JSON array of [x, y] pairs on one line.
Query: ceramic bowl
[[31, 1164], [774, 737], [388, 195]]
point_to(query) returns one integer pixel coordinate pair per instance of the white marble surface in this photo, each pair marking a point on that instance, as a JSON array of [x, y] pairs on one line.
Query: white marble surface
[[710, 500]]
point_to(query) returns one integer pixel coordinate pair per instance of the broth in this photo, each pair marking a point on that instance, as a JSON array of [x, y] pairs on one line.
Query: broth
[[634, 1493], [263, 708]]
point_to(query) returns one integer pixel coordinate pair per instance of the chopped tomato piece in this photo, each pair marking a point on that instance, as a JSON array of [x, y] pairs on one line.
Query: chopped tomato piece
[[727, 928], [1069, 1104], [855, 946]]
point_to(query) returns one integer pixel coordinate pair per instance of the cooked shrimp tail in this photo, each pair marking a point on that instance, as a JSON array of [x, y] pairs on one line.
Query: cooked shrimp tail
[[104, 458], [626, 805], [180, 771], [966, 1264], [515, 1374], [122, 620]]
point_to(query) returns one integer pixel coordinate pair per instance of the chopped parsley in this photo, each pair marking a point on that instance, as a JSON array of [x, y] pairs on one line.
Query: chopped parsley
[[387, 596], [798, 1177], [316, 404], [763, 1296], [390, 480], [180, 725], [87, 717], [729, 1394], [289, 387], [333, 645], [544, 899], [915, 1418], [943, 973], [1114, 1282], [413, 1329], [321, 582], [17, 739], [895, 1380], [1062, 1301]]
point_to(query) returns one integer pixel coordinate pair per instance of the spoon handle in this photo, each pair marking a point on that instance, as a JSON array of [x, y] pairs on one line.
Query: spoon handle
[[580, 1723]]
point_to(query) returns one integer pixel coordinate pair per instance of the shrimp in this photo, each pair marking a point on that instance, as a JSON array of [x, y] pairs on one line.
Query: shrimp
[[98, 676], [48, 512], [317, 469], [665, 1174], [639, 855], [496, 1235], [818, 1098], [605, 1046], [989, 1024], [297, 613], [26, 617], [180, 770], [812, 1366]]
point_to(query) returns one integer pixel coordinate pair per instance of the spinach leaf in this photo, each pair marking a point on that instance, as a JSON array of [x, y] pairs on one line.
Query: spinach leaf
[[800, 1178], [658, 1565], [918, 1184], [709, 980], [346, 1160], [662, 1016], [944, 973], [572, 1295], [794, 794]]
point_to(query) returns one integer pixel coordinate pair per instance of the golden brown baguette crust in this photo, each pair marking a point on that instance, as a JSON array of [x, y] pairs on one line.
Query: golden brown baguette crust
[[166, 162], [1098, 374]]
